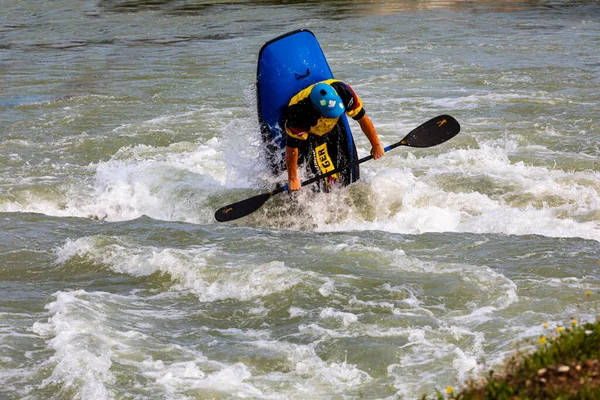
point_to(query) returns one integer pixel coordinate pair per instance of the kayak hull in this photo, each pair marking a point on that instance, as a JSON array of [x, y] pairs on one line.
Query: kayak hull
[[286, 65]]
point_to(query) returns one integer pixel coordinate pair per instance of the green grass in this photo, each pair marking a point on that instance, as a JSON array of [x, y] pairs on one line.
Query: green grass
[[565, 366]]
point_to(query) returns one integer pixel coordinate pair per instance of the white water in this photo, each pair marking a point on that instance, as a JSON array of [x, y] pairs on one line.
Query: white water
[[125, 129]]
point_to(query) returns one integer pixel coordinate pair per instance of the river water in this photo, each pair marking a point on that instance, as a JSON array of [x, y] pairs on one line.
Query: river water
[[126, 124]]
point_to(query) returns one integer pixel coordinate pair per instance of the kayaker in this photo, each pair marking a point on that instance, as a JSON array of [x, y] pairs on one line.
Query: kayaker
[[316, 110]]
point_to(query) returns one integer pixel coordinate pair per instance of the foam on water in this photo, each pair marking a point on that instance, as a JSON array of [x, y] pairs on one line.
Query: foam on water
[[170, 182], [330, 340], [427, 271], [444, 330], [460, 191], [82, 350], [478, 190], [197, 270], [91, 349]]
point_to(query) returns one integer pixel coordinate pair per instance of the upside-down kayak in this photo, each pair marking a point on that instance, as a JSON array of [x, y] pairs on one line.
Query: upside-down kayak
[[286, 65]]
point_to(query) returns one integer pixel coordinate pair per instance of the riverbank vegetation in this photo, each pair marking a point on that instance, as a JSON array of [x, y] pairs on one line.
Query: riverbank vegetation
[[565, 365]]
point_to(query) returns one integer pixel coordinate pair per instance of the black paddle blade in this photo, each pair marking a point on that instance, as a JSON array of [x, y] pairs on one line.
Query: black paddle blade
[[246, 207], [241, 208], [435, 131]]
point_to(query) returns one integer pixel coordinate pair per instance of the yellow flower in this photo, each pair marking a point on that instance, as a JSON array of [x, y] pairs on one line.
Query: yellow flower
[[542, 339], [559, 329], [449, 389], [545, 325], [574, 322], [589, 292]]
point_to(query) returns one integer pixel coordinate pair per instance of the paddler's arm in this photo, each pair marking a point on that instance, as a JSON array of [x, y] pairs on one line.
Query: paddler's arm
[[369, 130], [291, 162]]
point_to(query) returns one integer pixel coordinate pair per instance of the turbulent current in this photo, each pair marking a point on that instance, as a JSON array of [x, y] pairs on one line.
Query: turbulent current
[[126, 124]]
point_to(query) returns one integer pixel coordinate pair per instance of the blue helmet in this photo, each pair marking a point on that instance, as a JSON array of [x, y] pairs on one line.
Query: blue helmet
[[327, 101]]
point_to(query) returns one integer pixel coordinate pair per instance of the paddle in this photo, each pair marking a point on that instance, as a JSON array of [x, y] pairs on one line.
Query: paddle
[[431, 133]]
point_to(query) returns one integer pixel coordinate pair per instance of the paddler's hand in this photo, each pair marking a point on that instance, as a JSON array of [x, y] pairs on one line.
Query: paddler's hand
[[293, 184], [377, 151]]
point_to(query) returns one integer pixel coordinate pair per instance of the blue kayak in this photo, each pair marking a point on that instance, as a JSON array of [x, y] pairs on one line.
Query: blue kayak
[[286, 65]]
